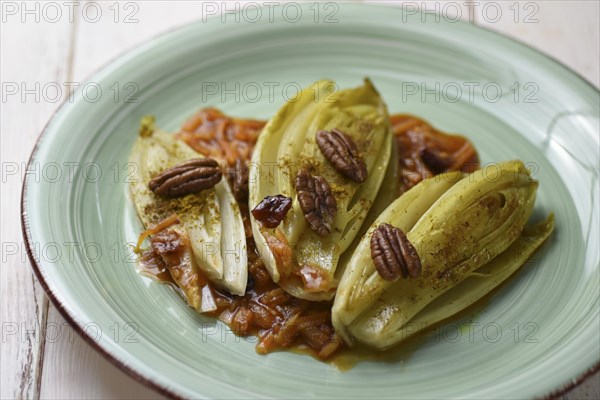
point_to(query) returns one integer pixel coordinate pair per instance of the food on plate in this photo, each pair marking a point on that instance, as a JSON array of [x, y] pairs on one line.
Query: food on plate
[[309, 152], [446, 228], [190, 214], [424, 151], [331, 224]]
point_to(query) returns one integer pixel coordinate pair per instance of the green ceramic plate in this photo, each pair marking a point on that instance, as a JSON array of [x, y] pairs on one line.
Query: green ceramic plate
[[535, 336]]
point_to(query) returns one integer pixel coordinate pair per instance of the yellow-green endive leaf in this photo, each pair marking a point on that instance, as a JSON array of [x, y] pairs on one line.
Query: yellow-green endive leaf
[[211, 219], [361, 285], [302, 262], [477, 285], [476, 223]]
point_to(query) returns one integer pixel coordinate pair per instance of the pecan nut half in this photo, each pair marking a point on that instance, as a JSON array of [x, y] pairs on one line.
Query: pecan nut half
[[340, 150], [316, 201], [188, 177], [393, 255]]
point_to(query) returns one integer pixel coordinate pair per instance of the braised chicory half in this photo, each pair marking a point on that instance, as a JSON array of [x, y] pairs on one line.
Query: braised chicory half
[[307, 153], [470, 235], [330, 224], [200, 236]]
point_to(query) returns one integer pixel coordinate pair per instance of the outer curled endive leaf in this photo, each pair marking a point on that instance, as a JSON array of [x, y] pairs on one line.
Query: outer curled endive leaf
[[303, 263], [477, 221], [361, 285], [369, 328], [211, 219]]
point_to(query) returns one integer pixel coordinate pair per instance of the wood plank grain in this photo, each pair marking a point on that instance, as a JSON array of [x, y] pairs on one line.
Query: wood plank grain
[[30, 68], [587, 390], [72, 369], [565, 30], [124, 27]]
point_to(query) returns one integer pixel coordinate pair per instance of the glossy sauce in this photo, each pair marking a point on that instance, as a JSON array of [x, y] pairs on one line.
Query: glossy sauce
[[280, 320], [152, 265], [424, 151], [212, 133]]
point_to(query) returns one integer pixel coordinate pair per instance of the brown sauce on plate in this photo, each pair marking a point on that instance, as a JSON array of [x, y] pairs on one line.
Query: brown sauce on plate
[[424, 151]]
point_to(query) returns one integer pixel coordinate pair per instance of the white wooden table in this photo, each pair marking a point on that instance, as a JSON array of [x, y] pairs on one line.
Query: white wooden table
[[45, 45]]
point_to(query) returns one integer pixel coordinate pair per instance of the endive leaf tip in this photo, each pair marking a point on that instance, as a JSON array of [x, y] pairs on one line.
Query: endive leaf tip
[[518, 166], [545, 225], [325, 82], [147, 125]]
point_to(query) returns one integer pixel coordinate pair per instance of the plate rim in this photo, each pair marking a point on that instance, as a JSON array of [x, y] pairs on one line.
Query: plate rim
[[560, 390]]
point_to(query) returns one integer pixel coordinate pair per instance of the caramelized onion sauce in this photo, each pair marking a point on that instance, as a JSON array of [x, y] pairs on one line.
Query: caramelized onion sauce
[[225, 139], [280, 320], [277, 318], [424, 151], [153, 266]]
